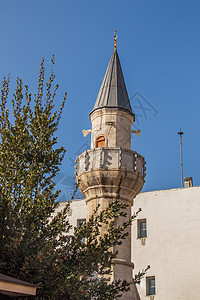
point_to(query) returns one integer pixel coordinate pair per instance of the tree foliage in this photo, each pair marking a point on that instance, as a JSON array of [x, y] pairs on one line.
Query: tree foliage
[[36, 243]]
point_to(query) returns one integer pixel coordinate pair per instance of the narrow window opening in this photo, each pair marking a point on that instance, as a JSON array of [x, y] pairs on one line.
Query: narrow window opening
[[81, 222], [100, 141], [142, 228], [150, 286]]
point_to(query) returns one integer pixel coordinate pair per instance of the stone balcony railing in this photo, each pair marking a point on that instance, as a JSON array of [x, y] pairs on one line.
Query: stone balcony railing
[[111, 159]]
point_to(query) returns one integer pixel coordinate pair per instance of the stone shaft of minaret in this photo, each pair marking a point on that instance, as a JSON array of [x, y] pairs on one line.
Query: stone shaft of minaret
[[110, 170]]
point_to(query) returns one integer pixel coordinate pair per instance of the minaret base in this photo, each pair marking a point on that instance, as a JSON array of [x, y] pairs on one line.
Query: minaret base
[[124, 271], [131, 295]]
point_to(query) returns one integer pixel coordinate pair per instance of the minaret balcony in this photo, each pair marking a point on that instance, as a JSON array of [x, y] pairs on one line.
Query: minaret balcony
[[111, 159]]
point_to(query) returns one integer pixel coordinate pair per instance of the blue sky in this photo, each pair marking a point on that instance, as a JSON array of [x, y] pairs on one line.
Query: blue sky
[[159, 50]]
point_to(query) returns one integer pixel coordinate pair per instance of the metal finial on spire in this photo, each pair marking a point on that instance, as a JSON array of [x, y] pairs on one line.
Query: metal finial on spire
[[115, 40]]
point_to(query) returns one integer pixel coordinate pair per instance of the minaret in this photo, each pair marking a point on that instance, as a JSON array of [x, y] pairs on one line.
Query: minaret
[[110, 169]]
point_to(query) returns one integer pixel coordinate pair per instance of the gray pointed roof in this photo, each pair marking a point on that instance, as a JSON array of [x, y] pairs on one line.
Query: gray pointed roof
[[113, 93]]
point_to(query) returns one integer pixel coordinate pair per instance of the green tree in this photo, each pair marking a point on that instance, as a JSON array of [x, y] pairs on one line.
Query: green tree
[[36, 244]]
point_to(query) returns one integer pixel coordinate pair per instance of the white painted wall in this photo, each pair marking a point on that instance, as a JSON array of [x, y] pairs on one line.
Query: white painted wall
[[172, 246]]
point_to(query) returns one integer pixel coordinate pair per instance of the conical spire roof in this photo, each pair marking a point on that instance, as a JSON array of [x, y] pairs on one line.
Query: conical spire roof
[[113, 93]]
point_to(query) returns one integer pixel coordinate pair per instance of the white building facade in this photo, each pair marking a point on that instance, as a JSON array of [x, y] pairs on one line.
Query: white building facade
[[166, 237], [172, 243]]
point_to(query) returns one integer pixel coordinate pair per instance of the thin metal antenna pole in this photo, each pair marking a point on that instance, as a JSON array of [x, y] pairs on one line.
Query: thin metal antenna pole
[[181, 150]]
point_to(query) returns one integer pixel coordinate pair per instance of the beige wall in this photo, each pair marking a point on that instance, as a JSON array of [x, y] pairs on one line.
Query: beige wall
[[172, 246]]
